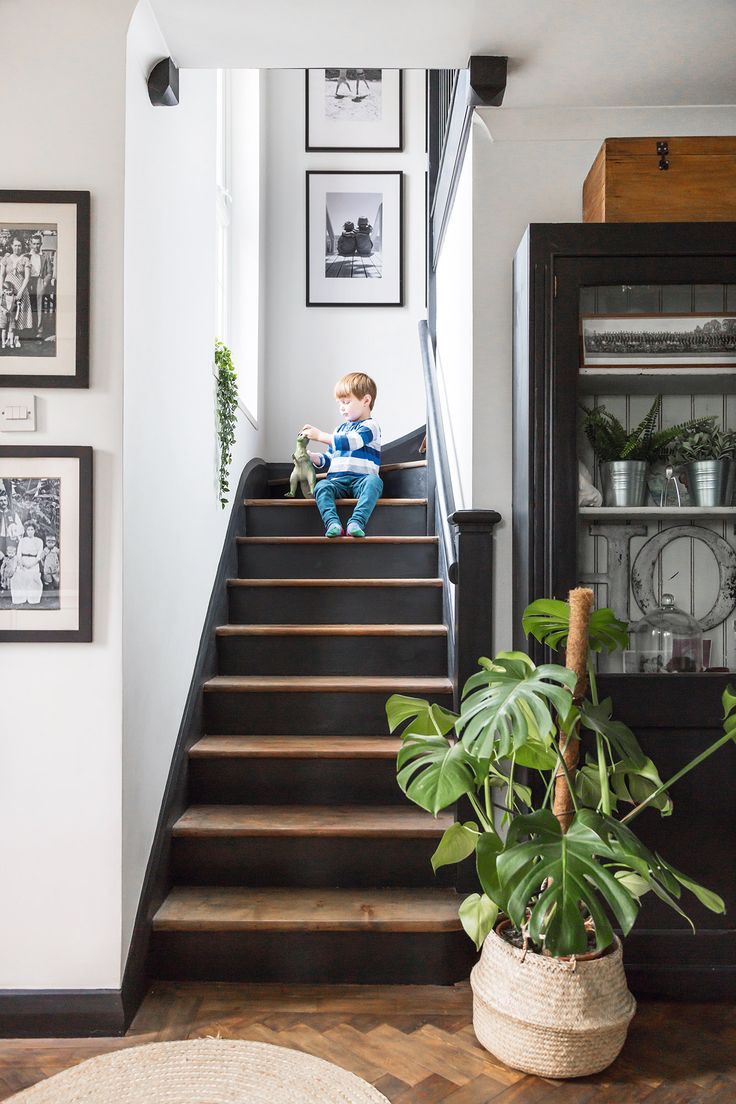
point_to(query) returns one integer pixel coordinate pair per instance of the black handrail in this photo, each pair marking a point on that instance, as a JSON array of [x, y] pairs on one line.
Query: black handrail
[[466, 542], [438, 469]]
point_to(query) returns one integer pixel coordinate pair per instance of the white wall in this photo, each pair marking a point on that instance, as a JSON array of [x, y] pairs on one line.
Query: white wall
[[174, 525], [529, 166], [60, 728], [309, 348], [454, 325]]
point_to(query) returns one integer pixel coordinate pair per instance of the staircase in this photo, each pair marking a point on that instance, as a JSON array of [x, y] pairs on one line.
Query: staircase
[[298, 858]]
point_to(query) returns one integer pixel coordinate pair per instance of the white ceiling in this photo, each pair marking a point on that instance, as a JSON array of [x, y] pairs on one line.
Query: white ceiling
[[562, 52]]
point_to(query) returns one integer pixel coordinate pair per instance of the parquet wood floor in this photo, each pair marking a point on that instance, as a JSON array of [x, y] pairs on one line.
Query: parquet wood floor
[[414, 1043]]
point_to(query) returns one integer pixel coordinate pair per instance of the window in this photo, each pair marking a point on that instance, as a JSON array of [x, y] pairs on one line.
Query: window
[[224, 200], [239, 220]]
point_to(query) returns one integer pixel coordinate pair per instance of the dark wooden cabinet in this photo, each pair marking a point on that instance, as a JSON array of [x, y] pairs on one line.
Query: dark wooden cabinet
[[675, 716]]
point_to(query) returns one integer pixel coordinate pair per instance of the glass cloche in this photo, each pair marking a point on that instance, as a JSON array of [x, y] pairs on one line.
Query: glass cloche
[[667, 640]]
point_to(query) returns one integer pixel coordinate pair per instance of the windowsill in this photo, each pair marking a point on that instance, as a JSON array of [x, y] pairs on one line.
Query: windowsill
[[251, 417]]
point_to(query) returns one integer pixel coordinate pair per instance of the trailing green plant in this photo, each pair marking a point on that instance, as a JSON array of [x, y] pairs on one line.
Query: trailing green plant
[[227, 404], [707, 443], [610, 441], [556, 873]]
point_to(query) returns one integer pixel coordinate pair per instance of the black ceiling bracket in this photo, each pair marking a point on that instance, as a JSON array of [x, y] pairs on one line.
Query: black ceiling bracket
[[163, 84], [487, 80]]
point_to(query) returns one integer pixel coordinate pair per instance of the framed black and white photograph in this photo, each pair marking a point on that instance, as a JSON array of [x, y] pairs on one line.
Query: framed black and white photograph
[[354, 109], [659, 341], [45, 543], [44, 289], [354, 239]]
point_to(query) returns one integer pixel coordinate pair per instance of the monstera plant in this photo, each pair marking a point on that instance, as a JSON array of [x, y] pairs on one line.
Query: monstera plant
[[555, 784]]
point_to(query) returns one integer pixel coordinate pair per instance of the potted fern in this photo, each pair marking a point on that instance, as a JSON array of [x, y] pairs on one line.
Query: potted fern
[[549, 991], [624, 455], [706, 455]]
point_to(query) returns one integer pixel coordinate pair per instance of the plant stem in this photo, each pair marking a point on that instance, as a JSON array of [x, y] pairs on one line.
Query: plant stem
[[603, 775], [510, 798], [676, 777], [487, 796], [481, 815], [592, 681]]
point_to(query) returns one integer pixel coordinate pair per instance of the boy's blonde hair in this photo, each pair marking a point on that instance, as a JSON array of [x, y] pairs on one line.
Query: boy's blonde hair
[[358, 384]]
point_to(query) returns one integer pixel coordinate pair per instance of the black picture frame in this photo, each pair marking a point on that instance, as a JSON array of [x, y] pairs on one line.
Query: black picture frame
[[358, 148], [397, 274], [83, 454], [80, 377]]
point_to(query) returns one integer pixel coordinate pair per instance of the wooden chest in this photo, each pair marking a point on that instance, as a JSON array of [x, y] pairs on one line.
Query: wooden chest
[[662, 180]]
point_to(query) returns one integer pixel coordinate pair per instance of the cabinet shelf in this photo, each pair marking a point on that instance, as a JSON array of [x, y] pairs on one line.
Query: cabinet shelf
[[610, 513], [649, 381]]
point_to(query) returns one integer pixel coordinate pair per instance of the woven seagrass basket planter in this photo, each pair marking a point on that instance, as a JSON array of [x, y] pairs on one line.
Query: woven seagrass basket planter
[[547, 1016]]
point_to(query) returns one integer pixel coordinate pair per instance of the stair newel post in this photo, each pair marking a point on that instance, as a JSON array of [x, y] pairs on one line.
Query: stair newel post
[[473, 579]]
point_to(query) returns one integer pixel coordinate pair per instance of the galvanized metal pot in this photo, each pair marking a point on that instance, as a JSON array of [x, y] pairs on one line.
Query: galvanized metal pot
[[711, 481], [624, 482]]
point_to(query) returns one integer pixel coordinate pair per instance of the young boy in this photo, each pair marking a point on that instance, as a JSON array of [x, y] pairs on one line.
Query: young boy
[[50, 563], [8, 314], [352, 458]]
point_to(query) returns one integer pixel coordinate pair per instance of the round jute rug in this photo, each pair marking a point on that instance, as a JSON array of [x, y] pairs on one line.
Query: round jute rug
[[203, 1071]]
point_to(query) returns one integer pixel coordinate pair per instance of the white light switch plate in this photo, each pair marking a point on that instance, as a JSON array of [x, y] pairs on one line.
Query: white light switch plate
[[17, 411]]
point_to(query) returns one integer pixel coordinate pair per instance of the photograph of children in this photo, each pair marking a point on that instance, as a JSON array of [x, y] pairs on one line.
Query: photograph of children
[[30, 553], [353, 94], [353, 235], [28, 289]]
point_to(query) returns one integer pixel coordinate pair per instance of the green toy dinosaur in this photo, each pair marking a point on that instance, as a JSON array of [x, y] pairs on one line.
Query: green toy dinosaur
[[303, 473]]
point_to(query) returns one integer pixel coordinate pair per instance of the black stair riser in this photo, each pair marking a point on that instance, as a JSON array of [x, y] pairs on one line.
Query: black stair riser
[[305, 521], [378, 958], [308, 862], [311, 714], [293, 782], [286, 605], [407, 483], [332, 655], [356, 560]]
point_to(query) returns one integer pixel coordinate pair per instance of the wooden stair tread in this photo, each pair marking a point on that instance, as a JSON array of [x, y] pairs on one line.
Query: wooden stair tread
[[339, 502], [406, 466], [332, 630], [345, 684], [233, 908], [362, 542], [334, 582], [351, 821], [295, 747]]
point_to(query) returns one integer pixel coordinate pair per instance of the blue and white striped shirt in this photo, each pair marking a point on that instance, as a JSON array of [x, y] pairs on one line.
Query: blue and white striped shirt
[[355, 450]]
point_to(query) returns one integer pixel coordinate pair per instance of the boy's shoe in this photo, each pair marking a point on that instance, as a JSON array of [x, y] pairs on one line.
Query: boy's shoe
[[334, 530], [355, 530]]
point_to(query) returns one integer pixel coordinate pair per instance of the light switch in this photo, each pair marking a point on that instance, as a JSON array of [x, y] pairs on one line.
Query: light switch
[[17, 412]]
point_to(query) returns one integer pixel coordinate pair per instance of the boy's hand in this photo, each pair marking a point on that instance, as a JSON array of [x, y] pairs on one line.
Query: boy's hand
[[316, 458], [315, 434]]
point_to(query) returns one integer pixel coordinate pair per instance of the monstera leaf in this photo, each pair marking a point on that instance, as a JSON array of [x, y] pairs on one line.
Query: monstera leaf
[[555, 874], [433, 772], [506, 708], [458, 841], [662, 878], [622, 740], [477, 916], [635, 783], [548, 621], [425, 719]]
